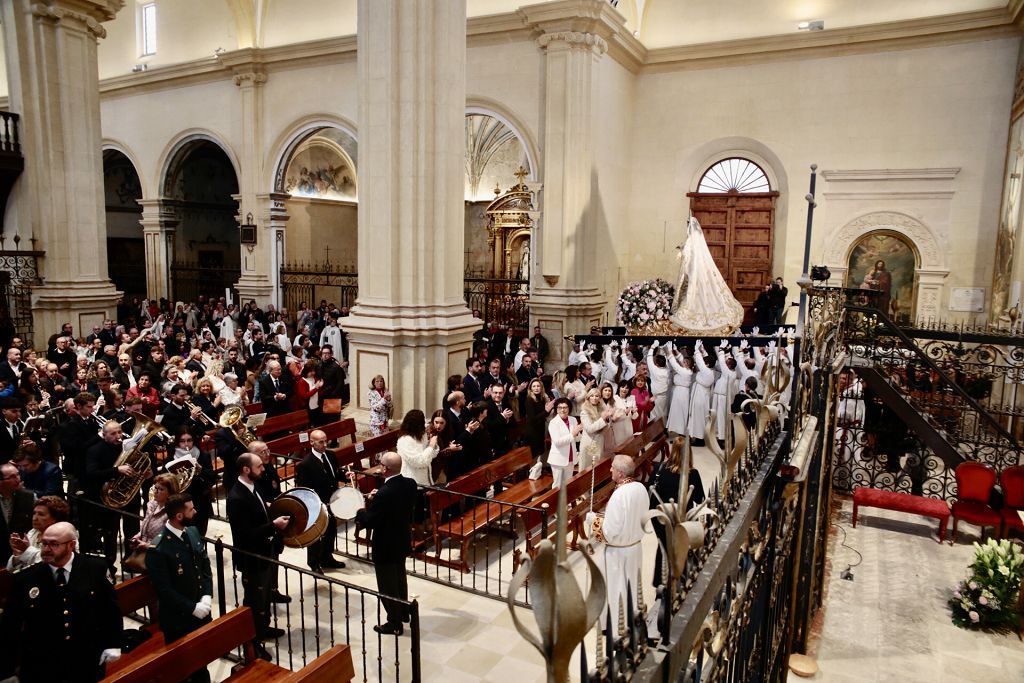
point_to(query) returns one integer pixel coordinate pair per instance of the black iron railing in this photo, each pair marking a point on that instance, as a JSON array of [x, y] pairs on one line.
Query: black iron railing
[[502, 301], [311, 282], [190, 279], [323, 611]]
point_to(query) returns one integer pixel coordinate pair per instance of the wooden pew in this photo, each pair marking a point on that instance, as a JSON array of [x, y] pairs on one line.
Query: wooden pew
[[253, 408], [479, 517], [353, 453], [134, 595], [289, 422], [177, 661]]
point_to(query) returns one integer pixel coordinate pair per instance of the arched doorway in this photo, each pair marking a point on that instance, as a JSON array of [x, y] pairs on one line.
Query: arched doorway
[[318, 173], [200, 186], [498, 228], [126, 253], [886, 261], [735, 204]]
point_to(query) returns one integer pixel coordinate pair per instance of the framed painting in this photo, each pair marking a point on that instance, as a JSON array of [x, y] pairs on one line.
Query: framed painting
[[885, 262]]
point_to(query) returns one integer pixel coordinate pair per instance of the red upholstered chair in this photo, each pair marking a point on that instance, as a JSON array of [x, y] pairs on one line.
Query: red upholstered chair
[[974, 483], [1013, 498]]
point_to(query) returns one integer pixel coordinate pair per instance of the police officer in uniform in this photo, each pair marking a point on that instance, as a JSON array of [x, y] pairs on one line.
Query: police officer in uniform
[[179, 568], [61, 622]]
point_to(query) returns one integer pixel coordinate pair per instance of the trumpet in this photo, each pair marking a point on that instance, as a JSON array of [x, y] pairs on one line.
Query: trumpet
[[192, 407]]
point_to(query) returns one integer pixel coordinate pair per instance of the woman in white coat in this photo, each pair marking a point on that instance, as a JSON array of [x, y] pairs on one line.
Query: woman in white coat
[[596, 419], [682, 385], [627, 405], [700, 400], [563, 430], [415, 448]]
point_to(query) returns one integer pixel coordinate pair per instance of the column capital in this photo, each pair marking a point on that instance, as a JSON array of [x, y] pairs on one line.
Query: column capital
[[88, 14], [574, 40], [246, 65]]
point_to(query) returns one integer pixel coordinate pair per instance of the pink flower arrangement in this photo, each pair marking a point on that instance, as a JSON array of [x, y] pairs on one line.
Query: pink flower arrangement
[[642, 303]]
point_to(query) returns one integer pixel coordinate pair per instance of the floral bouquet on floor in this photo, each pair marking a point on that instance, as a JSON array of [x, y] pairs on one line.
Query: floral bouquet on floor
[[645, 305], [988, 598]]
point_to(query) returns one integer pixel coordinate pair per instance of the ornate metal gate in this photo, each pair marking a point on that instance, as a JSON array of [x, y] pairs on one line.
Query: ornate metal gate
[[311, 282], [19, 272]]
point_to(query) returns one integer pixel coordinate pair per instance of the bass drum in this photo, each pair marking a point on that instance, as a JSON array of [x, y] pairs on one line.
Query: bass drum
[[346, 502], [308, 516]]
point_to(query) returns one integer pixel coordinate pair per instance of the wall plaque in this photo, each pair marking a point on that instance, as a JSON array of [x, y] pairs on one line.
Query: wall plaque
[[967, 299]]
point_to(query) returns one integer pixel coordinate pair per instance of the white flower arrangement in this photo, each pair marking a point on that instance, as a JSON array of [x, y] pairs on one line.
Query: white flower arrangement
[[988, 597], [645, 303]]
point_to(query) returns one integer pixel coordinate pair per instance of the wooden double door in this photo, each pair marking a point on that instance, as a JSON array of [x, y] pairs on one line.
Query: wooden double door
[[740, 232]]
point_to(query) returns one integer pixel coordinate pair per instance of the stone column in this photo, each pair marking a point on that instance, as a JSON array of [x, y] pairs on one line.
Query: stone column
[[258, 275], [566, 298], [410, 323], [273, 217], [158, 227], [53, 79]]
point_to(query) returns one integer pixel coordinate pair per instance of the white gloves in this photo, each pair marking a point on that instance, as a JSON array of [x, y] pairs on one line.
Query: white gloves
[[110, 655], [756, 330], [656, 344], [202, 609], [724, 344]]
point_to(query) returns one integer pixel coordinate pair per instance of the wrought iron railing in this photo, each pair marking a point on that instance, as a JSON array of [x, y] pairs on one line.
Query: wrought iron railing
[[190, 279], [19, 273], [323, 611], [502, 301], [310, 282]]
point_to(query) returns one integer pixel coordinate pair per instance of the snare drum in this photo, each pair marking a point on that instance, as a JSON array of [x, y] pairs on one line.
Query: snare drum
[[346, 502]]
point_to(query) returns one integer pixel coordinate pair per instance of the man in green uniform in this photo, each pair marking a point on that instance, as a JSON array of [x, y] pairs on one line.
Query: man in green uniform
[[179, 568]]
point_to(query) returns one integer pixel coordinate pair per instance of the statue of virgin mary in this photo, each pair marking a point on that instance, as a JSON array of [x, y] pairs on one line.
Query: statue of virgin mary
[[703, 303]]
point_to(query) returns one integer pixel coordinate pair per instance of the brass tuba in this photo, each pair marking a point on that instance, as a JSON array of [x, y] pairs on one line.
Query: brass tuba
[[229, 418], [123, 488]]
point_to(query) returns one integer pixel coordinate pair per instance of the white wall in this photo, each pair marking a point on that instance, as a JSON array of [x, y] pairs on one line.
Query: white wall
[[926, 108]]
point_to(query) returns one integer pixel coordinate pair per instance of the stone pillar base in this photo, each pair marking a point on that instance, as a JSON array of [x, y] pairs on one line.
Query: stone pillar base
[[83, 304], [563, 312], [258, 287], [415, 349]]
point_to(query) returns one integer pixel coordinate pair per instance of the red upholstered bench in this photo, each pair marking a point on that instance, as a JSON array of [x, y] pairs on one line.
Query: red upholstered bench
[[902, 502]]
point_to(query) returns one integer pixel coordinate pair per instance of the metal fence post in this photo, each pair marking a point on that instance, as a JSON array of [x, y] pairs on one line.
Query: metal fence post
[[222, 598], [414, 627]]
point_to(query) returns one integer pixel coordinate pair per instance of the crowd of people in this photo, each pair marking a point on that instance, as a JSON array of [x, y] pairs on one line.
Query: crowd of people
[[167, 373]]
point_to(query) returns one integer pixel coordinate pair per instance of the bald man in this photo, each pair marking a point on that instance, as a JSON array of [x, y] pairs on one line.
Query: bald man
[[61, 621], [389, 514], [319, 471]]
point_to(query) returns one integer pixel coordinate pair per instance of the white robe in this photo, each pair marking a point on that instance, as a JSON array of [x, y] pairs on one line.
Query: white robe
[[679, 408], [332, 335], [720, 396], [658, 388], [850, 424], [227, 328], [623, 555], [700, 400]]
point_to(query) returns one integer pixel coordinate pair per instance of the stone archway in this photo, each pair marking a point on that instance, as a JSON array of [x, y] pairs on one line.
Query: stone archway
[[931, 270]]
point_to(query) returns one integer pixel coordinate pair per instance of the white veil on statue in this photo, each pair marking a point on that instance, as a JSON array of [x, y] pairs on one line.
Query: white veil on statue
[[703, 301]]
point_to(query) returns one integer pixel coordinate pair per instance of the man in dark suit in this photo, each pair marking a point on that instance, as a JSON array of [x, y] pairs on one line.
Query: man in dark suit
[[124, 374], [99, 469], [10, 428], [17, 508], [537, 341], [39, 476], [748, 391], [254, 533], [10, 371], [332, 372], [499, 420], [389, 515], [275, 390], [179, 568], [61, 622], [471, 385], [178, 417], [319, 471], [77, 436]]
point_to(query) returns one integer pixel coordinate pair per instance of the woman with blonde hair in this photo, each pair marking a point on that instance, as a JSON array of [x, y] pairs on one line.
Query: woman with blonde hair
[[381, 405], [164, 486], [595, 418]]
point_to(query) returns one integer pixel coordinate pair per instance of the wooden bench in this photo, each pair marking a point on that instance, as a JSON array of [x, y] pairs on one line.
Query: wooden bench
[[294, 421], [901, 502], [486, 513], [175, 662], [354, 453], [253, 408], [134, 595]]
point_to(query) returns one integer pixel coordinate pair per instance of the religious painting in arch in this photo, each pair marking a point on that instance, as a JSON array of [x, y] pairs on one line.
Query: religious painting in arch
[[885, 261], [321, 168], [735, 205]]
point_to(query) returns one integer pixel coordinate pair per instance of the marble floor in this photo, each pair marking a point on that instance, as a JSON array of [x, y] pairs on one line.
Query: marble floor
[[891, 623]]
